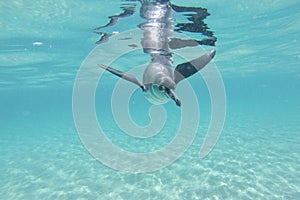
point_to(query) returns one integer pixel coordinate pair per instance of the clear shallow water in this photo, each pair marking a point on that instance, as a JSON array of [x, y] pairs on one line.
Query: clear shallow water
[[257, 156]]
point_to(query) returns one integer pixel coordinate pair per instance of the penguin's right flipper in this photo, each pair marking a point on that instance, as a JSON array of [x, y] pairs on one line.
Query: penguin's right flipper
[[187, 69], [123, 75]]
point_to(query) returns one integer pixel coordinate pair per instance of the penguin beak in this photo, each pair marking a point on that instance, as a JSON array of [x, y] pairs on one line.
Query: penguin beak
[[173, 96]]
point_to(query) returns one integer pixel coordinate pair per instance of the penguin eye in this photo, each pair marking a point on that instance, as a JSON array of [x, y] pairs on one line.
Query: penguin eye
[[161, 88]]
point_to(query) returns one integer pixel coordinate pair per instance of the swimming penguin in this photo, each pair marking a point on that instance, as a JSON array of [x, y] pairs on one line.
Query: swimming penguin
[[159, 81], [160, 78]]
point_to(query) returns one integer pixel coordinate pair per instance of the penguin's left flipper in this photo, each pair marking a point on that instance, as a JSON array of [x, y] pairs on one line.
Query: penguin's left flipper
[[187, 69], [123, 75]]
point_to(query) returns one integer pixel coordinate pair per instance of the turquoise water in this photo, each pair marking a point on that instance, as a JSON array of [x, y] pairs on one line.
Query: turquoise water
[[43, 45]]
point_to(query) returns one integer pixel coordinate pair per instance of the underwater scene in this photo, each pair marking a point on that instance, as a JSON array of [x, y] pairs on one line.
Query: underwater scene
[[149, 99]]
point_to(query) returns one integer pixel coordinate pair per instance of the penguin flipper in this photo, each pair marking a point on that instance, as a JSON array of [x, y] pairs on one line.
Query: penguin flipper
[[123, 75], [185, 70]]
